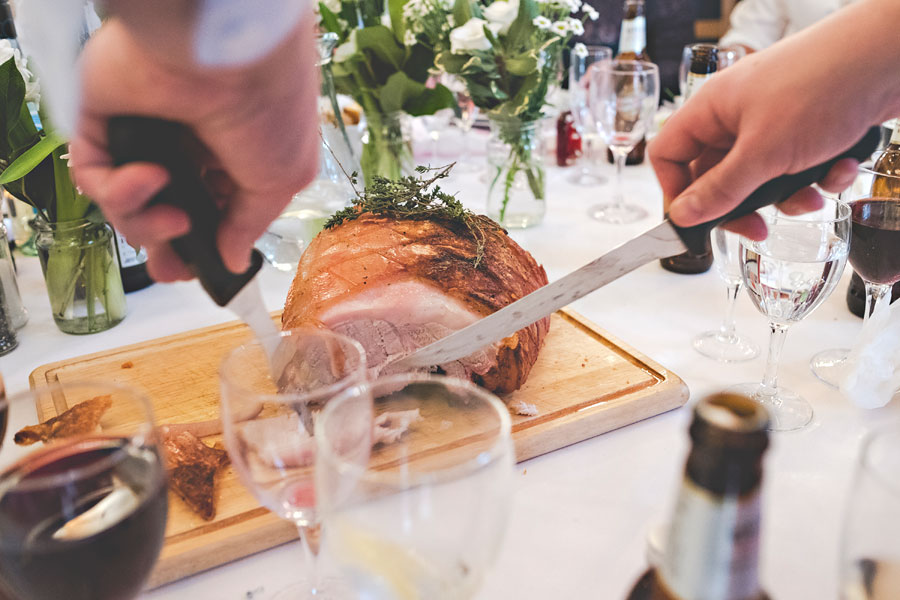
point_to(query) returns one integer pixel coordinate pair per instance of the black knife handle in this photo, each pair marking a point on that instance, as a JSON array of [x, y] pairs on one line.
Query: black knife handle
[[145, 139], [696, 238]]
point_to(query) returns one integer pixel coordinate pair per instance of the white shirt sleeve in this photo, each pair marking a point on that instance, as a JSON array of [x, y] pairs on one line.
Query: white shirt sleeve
[[757, 24], [235, 32]]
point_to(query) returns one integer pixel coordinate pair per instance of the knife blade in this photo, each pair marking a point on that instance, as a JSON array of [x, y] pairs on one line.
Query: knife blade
[[666, 239]]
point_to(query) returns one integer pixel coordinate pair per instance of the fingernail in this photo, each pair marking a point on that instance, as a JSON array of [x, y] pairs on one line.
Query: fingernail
[[686, 210]]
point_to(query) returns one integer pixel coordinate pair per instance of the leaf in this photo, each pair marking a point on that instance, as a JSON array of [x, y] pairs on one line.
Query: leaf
[[395, 7], [463, 10], [451, 63], [329, 20], [522, 65], [522, 28], [431, 101], [31, 158], [380, 40]]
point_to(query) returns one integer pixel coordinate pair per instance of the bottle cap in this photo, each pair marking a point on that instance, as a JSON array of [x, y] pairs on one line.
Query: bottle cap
[[730, 421]]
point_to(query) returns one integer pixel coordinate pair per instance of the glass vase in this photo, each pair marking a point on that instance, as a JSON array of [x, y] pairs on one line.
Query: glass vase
[[516, 182], [16, 312], [387, 146], [82, 274]]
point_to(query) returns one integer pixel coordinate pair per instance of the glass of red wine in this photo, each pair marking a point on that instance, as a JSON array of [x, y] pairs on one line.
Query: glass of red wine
[[874, 254], [272, 388], [82, 508]]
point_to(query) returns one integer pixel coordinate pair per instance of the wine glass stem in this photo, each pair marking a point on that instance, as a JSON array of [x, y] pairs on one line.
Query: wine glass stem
[[619, 154], [875, 293], [726, 331], [310, 536], [776, 343]]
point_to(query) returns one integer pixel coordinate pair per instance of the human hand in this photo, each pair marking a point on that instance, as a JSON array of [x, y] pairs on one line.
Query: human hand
[[257, 122]]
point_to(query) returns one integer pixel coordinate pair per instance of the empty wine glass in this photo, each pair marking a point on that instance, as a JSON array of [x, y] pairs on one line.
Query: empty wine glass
[[414, 475], [875, 231], [623, 98], [870, 550], [436, 125], [788, 275], [82, 508], [468, 112], [725, 344], [581, 62], [266, 415]]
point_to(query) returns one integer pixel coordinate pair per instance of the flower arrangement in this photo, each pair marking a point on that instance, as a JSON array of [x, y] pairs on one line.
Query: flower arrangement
[[384, 68], [507, 52], [74, 243]]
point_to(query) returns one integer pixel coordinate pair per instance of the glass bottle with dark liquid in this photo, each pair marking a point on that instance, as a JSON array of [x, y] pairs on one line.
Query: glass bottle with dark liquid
[[633, 46], [132, 264], [704, 63], [712, 550]]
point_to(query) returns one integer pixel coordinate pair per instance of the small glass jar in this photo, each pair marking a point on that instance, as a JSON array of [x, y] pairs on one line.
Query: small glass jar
[[17, 314], [8, 340], [81, 270], [516, 181]]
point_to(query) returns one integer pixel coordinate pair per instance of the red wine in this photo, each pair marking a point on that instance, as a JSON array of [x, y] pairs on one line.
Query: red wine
[[43, 557], [875, 249]]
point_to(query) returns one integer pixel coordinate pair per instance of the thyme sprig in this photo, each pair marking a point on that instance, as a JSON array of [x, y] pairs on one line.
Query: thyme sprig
[[412, 197]]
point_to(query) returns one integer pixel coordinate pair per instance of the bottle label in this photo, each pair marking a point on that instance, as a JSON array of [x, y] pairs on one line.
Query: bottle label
[[633, 37], [713, 546], [895, 137], [129, 256], [694, 82]]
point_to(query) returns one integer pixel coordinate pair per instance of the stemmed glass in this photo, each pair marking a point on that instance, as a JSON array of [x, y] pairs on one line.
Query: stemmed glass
[[623, 98], [725, 344], [436, 125], [788, 275], [581, 62], [873, 255], [414, 475], [870, 552], [468, 112], [82, 515], [267, 418]]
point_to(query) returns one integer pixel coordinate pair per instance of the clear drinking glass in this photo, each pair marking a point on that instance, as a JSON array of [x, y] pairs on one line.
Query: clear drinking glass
[[788, 275], [267, 413], [414, 476], [468, 112], [588, 172], [725, 344], [870, 544], [727, 57], [623, 98], [875, 227], [82, 509], [436, 125]]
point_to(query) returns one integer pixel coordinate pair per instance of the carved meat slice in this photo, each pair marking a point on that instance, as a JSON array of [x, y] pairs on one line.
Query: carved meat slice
[[192, 467], [398, 284], [82, 418]]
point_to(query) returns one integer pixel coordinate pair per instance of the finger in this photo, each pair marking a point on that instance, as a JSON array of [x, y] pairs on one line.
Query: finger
[[122, 191], [155, 225], [841, 176], [804, 201], [163, 264], [750, 226], [243, 222]]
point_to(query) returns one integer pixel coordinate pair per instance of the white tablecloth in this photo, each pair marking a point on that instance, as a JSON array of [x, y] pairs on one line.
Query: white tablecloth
[[580, 516]]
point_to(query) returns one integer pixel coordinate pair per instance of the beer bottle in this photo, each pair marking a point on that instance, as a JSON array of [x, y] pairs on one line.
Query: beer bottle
[[713, 543], [633, 46]]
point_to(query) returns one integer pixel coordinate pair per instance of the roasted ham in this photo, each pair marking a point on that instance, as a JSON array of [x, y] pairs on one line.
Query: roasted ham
[[398, 284]]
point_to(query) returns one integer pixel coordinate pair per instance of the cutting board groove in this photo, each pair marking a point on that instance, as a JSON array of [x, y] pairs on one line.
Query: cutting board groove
[[584, 383]]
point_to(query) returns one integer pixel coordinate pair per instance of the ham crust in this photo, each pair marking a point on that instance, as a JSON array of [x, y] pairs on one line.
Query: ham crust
[[358, 261]]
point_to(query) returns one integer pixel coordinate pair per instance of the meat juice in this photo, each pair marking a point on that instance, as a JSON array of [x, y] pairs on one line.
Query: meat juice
[[875, 250], [111, 557]]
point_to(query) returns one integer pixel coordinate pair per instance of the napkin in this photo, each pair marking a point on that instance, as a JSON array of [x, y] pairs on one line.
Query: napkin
[[872, 374]]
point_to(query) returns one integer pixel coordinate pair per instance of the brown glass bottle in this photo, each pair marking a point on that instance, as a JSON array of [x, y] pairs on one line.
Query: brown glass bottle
[[712, 550], [633, 46], [889, 164]]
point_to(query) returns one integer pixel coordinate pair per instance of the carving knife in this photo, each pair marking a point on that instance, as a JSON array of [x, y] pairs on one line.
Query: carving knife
[[666, 239]]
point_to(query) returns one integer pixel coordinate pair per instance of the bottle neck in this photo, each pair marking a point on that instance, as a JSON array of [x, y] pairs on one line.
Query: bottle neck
[[633, 36], [895, 137], [713, 545], [694, 82]]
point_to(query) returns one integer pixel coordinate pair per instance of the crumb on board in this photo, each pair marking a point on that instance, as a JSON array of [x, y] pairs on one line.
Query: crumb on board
[[127, 364]]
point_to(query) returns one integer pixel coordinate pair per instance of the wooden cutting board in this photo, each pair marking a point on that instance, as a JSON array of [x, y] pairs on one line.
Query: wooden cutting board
[[585, 383]]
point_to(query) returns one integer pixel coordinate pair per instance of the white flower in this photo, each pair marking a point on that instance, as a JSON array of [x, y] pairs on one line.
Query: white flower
[[409, 38], [386, 20], [560, 28], [574, 5], [470, 36], [592, 14], [580, 50], [542, 22], [575, 26], [347, 49], [503, 13]]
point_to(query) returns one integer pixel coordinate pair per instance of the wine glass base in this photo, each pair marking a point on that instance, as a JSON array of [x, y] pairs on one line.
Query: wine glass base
[[587, 178], [788, 411], [725, 348], [828, 366], [617, 214]]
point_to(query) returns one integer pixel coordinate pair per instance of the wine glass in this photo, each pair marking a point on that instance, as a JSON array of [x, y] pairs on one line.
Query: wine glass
[[788, 275], [870, 552], [414, 475], [873, 254], [581, 62], [267, 410], [436, 125], [468, 112], [725, 344], [83, 515], [623, 98]]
